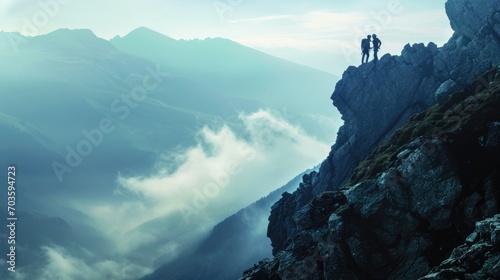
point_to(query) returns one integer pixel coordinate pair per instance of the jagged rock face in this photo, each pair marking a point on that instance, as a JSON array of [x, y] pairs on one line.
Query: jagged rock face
[[406, 220], [377, 99], [283, 213], [474, 45], [373, 100], [467, 16]]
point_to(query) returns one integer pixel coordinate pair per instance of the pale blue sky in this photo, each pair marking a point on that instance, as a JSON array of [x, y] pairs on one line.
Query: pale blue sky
[[334, 27]]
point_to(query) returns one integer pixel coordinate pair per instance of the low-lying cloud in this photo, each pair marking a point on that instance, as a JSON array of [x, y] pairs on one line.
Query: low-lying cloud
[[156, 218], [225, 171], [164, 214]]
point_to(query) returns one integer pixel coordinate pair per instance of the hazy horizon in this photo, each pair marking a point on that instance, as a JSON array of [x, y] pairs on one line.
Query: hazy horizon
[[330, 31]]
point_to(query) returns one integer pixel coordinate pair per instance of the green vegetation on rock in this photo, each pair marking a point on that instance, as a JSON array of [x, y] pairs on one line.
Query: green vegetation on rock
[[466, 114]]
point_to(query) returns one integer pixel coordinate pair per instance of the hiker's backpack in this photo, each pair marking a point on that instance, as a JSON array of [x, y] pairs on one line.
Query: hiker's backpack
[[365, 44]]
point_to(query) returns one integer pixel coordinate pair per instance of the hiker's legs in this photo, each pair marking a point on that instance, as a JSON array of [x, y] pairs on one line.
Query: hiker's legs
[[375, 56], [367, 57]]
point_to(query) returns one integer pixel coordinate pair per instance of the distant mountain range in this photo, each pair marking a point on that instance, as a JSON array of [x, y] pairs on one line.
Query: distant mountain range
[[61, 83], [230, 69], [77, 110], [235, 70]]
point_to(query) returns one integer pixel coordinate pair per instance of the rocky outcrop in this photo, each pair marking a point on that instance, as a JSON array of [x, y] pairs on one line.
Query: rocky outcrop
[[375, 99], [418, 195], [467, 16], [473, 47], [441, 174], [283, 213]]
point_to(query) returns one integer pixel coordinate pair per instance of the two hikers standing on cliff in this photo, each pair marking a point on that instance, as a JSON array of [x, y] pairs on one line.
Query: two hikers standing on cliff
[[366, 47]]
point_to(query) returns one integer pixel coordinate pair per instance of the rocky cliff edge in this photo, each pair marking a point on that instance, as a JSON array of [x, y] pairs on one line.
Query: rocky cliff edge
[[404, 212]]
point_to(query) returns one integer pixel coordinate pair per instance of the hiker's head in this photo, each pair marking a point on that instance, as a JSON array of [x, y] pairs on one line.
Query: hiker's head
[[369, 36], [374, 36]]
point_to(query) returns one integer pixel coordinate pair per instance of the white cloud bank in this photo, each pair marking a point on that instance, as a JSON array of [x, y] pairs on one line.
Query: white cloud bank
[[224, 171]]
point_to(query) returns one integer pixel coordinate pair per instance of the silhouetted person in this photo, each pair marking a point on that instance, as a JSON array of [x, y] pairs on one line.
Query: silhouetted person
[[365, 49], [376, 46]]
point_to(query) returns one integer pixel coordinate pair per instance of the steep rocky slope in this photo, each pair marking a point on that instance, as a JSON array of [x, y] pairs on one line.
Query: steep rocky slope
[[419, 194], [375, 99], [410, 203]]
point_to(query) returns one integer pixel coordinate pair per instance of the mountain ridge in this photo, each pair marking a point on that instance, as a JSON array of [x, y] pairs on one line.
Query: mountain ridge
[[148, 34]]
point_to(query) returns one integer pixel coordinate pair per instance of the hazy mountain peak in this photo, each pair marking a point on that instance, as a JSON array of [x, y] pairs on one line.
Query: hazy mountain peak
[[147, 35], [69, 34], [66, 41]]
